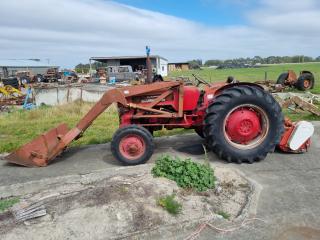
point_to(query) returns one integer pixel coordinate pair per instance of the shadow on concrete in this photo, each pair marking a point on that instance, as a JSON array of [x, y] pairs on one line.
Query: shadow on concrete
[[194, 149]]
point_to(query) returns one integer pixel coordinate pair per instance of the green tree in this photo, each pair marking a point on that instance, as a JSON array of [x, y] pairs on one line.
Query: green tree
[[195, 64]]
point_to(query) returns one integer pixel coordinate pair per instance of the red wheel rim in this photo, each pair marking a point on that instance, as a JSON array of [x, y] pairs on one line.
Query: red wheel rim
[[246, 126], [132, 146]]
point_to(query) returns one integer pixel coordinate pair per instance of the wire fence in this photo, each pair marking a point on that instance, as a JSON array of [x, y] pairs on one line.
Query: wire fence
[[247, 74]]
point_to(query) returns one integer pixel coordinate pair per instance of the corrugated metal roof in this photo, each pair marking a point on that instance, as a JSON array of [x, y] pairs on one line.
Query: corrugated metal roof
[[125, 57], [23, 63]]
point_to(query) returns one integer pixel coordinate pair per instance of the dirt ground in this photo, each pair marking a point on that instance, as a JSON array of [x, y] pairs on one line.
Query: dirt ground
[[125, 206]]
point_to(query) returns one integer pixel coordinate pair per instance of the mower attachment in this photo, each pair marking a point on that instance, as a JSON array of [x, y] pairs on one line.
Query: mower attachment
[[297, 136]]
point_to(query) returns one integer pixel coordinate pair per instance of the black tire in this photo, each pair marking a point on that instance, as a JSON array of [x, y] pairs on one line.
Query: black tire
[[157, 78], [39, 78], [136, 130], [301, 81], [151, 130], [25, 79], [11, 82], [282, 78], [199, 131], [223, 105]]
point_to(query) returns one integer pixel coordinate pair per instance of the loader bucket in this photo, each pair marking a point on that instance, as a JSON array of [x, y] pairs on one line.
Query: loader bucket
[[41, 150]]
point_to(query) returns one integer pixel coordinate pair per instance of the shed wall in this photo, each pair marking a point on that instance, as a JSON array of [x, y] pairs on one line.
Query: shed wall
[[34, 70]]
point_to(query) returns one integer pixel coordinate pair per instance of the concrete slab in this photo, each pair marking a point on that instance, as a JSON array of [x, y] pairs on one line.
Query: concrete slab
[[289, 201]]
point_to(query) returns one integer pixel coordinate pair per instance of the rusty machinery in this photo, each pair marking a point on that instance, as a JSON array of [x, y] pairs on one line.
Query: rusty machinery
[[305, 81], [240, 122]]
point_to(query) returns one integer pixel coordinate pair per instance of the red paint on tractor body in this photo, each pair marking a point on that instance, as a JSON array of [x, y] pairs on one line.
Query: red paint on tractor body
[[191, 97], [194, 105]]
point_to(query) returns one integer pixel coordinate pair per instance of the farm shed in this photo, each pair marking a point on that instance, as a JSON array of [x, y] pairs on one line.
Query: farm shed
[[11, 66], [178, 66], [137, 63]]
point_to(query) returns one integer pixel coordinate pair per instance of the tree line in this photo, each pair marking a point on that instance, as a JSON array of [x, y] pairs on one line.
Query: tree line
[[196, 63], [84, 68]]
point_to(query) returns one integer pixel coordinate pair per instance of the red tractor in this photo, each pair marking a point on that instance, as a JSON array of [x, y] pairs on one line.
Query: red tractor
[[240, 122]]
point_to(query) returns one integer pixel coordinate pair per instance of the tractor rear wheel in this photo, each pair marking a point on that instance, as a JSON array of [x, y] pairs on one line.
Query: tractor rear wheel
[[282, 78], [243, 124], [305, 82], [132, 145]]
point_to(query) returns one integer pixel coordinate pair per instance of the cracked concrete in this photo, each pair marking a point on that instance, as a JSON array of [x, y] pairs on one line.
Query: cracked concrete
[[122, 204]]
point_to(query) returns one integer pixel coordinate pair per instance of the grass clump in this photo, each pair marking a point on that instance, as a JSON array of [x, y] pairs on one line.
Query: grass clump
[[225, 215], [186, 173], [170, 204], [7, 203]]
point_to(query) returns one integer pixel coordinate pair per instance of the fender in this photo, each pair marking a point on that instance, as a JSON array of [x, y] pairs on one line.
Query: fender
[[227, 86]]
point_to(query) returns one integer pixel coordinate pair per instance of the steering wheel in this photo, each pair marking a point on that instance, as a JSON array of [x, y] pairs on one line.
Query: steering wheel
[[200, 81]]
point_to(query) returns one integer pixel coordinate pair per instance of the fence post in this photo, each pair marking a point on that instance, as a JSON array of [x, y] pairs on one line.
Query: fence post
[[68, 92], [58, 96], [81, 95], [265, 75]]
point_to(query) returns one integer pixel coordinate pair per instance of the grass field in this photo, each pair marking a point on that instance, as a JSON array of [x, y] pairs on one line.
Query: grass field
[[21, 126], [253, 74]]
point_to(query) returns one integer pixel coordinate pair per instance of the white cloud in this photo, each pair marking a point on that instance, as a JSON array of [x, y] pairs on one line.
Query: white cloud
[[294, 17], [70, 31]]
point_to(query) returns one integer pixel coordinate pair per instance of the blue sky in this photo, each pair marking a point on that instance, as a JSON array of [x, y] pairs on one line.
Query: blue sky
[[71, 31], [209, 12]]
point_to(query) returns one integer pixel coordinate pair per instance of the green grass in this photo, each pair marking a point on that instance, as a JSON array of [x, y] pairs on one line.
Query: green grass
[[7, 203], [21, 126], [186, 173], [170, 204], [225, 215], [300, 116], [253, 74]]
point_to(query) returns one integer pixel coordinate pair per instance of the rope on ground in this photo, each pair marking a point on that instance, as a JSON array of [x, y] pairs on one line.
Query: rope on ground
[[202, 226]]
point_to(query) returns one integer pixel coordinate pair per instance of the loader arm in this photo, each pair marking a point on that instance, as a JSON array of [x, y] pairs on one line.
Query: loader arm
[[111, 96], [108, 98], [49, 145]]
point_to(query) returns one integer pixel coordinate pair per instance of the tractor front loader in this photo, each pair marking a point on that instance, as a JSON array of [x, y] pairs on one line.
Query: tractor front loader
[[240, 122]]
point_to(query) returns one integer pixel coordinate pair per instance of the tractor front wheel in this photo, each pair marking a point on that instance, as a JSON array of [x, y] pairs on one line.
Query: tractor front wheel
[[243, 124], [132, 145]]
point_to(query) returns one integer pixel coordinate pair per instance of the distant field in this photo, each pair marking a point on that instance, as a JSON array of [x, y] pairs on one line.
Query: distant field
[[253, 74]]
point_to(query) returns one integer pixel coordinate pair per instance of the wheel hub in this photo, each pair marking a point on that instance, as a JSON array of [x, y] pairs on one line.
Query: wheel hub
[[306, 83], [243, 125], [132, 147]]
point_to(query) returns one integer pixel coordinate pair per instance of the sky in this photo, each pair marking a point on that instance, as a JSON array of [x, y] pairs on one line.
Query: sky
[[71, 31]]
